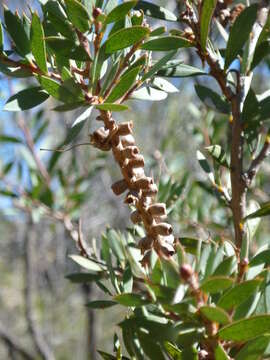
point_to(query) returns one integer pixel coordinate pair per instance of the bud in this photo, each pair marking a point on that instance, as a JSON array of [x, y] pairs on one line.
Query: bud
[[96, 12], [162, 229], [119, 187], [186, 271]]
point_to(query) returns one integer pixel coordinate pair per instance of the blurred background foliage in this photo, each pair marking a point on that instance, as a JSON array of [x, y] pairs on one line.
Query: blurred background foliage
[[169, 134]]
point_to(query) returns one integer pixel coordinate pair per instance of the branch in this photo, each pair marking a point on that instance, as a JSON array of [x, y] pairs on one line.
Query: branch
[[13, 343], [40, 343], [31, 146]]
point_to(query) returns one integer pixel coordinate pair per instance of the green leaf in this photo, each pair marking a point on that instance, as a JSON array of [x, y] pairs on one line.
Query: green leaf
[[173, 351], [215, 314], [262, 258], [264, 108], [262, 50], [17, 32], [166, 43], [67, 48], [130, 299], [10, 139], [226, 267], [180, 70], [148, 93], [218, 154], [216, 284], [83, 277], [212, 99], [111, 107], [106, 356], [115, 244], [122, 87], [263, 211], [238, 294], [86, 263], [254, 349], [240, 33], [125, 37], [120, 11], [158, 65], [38, 43], [100, 304], [190, 245], [220, 353], [246, 329], [26, 99], [158, 31], [155, 11], [164, 85], [207, 10], [1, 37], [58, 91], [205, 166], [78, 15]]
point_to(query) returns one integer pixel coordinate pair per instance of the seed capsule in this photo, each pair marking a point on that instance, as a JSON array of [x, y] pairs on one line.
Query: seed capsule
[[162, 229], [135, 217], [119, 187], [158, 209]]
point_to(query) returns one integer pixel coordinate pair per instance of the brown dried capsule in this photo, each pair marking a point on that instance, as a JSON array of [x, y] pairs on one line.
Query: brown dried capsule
[[151, 191], [135, 217], [127, 140], [146, 243], [146, 260], [164, 249], [143, 183], [130, 152], [119, 187], [162, 229], [99, 139], [158, 209], [137, 173], [136, 162], [125, 128], [131, 199]]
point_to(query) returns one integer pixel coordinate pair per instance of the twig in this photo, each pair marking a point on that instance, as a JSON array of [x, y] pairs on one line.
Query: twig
[[14, 344], [31, 147]]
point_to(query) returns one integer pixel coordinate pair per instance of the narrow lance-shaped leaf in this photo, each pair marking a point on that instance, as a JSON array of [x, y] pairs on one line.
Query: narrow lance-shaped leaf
[[26, 99], [58, 91], [78, 15], [130, 299], [180, 70], [212, 99], [120, 11], [101, 304], [38, 43], [246, 329], [166, 43], [240, 33], [86, 263], [111, 107], [125, 37], [218, 154], [125, 83], [262, 258], [67, 48], [158, 65], [155, 11], [239, 293], [17, 32], [254, 349], [1, 37], [263, 211], [216, 284], [215, 314], [205, 166], [208, 8]]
